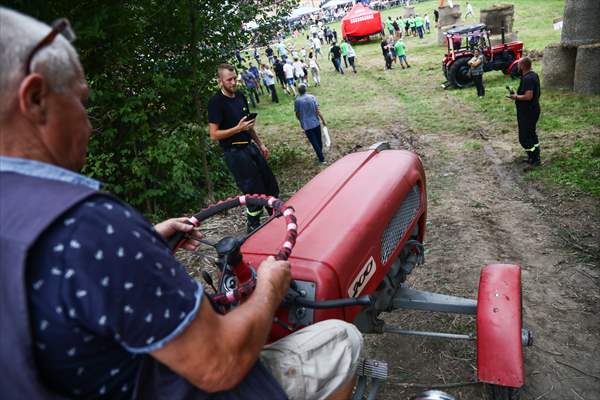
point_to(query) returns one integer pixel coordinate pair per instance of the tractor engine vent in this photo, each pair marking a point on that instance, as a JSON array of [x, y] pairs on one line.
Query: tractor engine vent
[[396, 228]]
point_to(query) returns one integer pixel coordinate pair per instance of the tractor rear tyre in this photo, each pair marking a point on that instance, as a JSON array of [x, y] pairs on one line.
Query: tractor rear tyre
[[496, 392], [458, 73]]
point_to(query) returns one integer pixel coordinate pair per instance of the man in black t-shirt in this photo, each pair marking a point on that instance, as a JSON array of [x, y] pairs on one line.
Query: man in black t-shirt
[[335, 54], [528, 111], [228, 123], [279, 73]]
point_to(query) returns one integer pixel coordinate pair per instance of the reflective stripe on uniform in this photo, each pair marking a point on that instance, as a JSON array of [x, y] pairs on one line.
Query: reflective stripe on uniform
[[533, 148], [254, 213]]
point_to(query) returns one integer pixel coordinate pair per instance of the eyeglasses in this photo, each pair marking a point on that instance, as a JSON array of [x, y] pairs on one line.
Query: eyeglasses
[[60, 26]]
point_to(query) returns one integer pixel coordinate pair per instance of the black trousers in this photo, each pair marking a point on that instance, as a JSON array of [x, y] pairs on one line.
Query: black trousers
[[527, 121], [314, 137], [345, 61], [251, 172], [478, 79], [274, 97]]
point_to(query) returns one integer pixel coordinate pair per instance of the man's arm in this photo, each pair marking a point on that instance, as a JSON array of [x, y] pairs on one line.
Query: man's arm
[[215, 352], [321, 116], [220, 134], [527, 96], [260, 145]]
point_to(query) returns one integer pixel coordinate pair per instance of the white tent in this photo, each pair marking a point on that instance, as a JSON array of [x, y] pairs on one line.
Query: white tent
[[302, 11], [336, 3]]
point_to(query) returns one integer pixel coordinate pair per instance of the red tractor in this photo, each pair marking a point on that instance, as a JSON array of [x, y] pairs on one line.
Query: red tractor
[[352, 235], [462, 42]]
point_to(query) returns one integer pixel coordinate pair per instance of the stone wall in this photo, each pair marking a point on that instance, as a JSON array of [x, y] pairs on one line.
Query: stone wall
[[587, 69]]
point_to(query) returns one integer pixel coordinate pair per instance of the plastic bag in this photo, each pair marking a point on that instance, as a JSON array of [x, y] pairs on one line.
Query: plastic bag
[[325, 137]]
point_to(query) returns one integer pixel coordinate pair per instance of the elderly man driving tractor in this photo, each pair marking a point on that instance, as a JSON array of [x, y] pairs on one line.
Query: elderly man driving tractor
[[94, 305]]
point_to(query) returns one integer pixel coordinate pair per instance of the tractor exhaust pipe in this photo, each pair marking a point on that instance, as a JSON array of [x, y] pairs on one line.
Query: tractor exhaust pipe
[[502, 33]]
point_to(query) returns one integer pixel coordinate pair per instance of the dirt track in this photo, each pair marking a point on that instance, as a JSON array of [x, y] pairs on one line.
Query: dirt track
[[481, 211]]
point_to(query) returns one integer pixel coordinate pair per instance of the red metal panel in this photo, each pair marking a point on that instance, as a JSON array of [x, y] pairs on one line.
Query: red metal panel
[[342, 213], [499, 343]]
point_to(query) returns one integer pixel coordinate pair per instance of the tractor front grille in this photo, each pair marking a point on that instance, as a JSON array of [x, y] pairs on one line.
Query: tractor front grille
[[396, 228]]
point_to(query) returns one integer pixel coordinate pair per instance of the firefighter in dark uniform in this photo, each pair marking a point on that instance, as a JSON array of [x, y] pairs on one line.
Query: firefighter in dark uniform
[[528, 111], [244, 153]]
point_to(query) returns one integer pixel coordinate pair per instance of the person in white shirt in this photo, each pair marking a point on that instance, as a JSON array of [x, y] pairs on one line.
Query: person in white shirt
[[469, 10], [317, 46], [351, 56], [299, 70], [315, 71], [427, 23], [288, 70]]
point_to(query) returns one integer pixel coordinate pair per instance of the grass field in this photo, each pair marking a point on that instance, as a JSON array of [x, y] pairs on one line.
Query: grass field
[[375, 99]]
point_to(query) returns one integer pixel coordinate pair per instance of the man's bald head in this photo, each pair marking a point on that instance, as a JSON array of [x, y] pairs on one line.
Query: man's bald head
[[58, 63]]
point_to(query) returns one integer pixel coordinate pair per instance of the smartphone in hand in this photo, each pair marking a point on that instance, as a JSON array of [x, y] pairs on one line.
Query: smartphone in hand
[[251, 116]]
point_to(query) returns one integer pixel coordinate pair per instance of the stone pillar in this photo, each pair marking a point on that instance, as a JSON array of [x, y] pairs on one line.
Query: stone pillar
[[558, 66], [587, 69], [409, 12], [581, 23]]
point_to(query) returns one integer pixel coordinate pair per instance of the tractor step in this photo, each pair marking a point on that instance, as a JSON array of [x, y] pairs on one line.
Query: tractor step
[[370, 373]]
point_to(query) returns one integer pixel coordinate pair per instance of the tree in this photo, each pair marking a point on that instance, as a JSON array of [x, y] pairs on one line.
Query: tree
[[151, 68]]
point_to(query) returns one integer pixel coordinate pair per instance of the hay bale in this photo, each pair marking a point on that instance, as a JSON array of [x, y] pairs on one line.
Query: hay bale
[[587, 69], [409, 12], [558, 66], [449, 16], [497, 16], [508, 37], [580, 24]]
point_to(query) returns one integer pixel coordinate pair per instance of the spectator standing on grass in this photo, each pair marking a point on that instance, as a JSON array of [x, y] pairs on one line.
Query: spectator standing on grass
[[308, 113], [269, 79], [252, 86], [351, 57], [315, 70], [436, 16], [335, 54], [278, 67], [427, 23], [413, 26], [387, 54], [401, 52], [527, 101], [281, 49], [344, 48], [317, 46], [334, 35], [396, 25], [269, 52], [406, 26], [389, 25], [469, 11], [419, 26], [476, 70], [298, 71], [288, 70], [254, 70]]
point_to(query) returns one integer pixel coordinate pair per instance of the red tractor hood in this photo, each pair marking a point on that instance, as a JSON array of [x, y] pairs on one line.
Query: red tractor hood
[[344, 210]]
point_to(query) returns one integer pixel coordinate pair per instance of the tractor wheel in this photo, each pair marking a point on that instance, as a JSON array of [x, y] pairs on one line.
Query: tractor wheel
[[458, 73], [445, 71], [496, 392]]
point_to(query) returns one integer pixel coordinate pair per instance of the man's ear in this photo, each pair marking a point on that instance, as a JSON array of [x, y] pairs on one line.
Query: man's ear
[[33, 93]]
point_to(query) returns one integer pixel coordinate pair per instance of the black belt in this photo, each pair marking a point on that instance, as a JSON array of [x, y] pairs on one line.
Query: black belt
[[237, 145]]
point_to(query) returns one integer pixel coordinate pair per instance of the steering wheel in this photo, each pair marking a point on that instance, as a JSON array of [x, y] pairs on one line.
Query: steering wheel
[[230, 292]]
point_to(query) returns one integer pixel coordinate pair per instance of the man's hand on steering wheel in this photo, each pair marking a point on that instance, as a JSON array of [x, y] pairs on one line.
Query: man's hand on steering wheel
[[168, 228], [274, 276]]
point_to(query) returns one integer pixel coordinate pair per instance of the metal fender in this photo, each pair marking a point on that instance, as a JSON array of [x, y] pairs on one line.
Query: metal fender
[[513, 65], [499, 341]]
